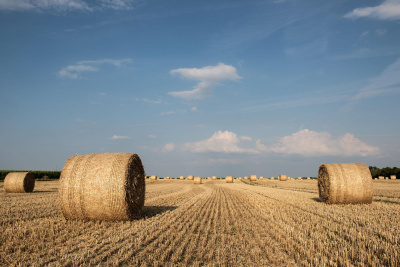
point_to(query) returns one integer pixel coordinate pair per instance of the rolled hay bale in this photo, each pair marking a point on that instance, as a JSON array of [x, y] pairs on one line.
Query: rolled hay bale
[[272, 178], [154, 177], [190, 177], [381, 178], [167, 178], [104, 186], [240, 178], [214, 177], [229, 179], [246, 178], [392, 177], [19, 182], [345, 183], [299, 178], [253, 178], [197, 180], [386, 178], [182, 177], [208, 178], [282, 177], [308, 178], [261, 178]]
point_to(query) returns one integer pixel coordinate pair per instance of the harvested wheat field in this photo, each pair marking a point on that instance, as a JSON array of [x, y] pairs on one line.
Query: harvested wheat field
[[265, 223]]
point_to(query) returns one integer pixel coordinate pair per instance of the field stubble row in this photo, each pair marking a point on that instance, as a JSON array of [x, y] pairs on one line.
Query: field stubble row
[[264, 223]]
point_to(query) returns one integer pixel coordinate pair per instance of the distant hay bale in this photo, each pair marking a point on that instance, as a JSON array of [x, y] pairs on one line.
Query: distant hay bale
[[104, 186], [167, 178], [214, 177], [19, 182], [299, 178], [182, 177], [381, 178], [282, 177], [208, 178], [386, 178], [197, 180], [253, 178], [392, 177], [345, 183], [246, 178], [190, 177], [154, 177], [261, 178], [240, 178], [272, 178], [308, 178], [229, 179]]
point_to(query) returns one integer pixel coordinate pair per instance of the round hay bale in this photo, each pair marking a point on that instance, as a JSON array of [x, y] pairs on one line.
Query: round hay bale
[[345, 183], [272, 178], [104, 186], [282, 177], [167, 178], [190, 177], [182, 178], [381, 178], [154, 177], [261, 178], [246, 178], [253, 178], [299, 178], [229, 179], [197, 180], [214, 177], [308, 178], [19, 182], [392, 177]]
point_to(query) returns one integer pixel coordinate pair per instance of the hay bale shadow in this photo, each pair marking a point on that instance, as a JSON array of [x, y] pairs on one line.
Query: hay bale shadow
[[316, 199], [151, 211]]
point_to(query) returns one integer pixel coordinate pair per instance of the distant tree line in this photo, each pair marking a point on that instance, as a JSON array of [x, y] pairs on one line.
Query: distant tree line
[[37, 174], [386, 172]]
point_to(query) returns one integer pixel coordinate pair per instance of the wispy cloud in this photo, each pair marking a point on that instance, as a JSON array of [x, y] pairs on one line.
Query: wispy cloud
[[119, 137], [65, 5], [209, 76], [75, 71], [168, 147], [388, 10], [146, 100]]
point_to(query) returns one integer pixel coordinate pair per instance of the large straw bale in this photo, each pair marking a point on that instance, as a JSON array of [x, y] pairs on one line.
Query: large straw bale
[[214, 177], [182, 177], [282, 177], [345, 183], [190, 177], [253, 178], [392, 177], [229, 179], [19, 182], [154, 177], [104, 186], [197, 180]]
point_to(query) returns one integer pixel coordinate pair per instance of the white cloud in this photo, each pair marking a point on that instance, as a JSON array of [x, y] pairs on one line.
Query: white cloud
[[225, 142], [310, 143], [75, 71], [245, 138], [64, 5], [380, 32], [119, 137], [389, 9], [193, 109], [152, 136], [208, 76], [168, 147]]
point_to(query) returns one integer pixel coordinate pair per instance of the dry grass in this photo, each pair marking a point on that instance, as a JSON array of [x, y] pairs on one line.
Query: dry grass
[[215, 224]]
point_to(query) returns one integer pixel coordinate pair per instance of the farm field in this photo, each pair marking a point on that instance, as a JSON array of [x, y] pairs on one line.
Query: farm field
[[266, 223]]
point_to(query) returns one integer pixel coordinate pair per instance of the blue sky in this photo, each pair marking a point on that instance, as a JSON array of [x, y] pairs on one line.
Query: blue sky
[[201, 87]]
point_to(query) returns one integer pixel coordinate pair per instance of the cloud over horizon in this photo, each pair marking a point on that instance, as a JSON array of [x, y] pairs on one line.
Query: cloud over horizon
[[209, 76], [388, 10], [304, 142]]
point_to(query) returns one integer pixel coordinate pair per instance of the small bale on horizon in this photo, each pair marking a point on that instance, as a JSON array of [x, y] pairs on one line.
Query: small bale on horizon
[[229, 179], [190, 177], [282, 177], [197, 180]]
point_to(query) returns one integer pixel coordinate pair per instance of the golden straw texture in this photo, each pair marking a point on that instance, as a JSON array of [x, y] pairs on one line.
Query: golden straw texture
[[229, 179], [197, 180], [253, 178], [345, 183], [19, 182], [282, 177], [105, 186]]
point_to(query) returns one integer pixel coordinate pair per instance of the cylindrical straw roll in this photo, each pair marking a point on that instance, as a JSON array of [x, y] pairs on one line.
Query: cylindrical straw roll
[[229, 179], [105, 186], [345, 183], [197, 180], [19, 182]]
